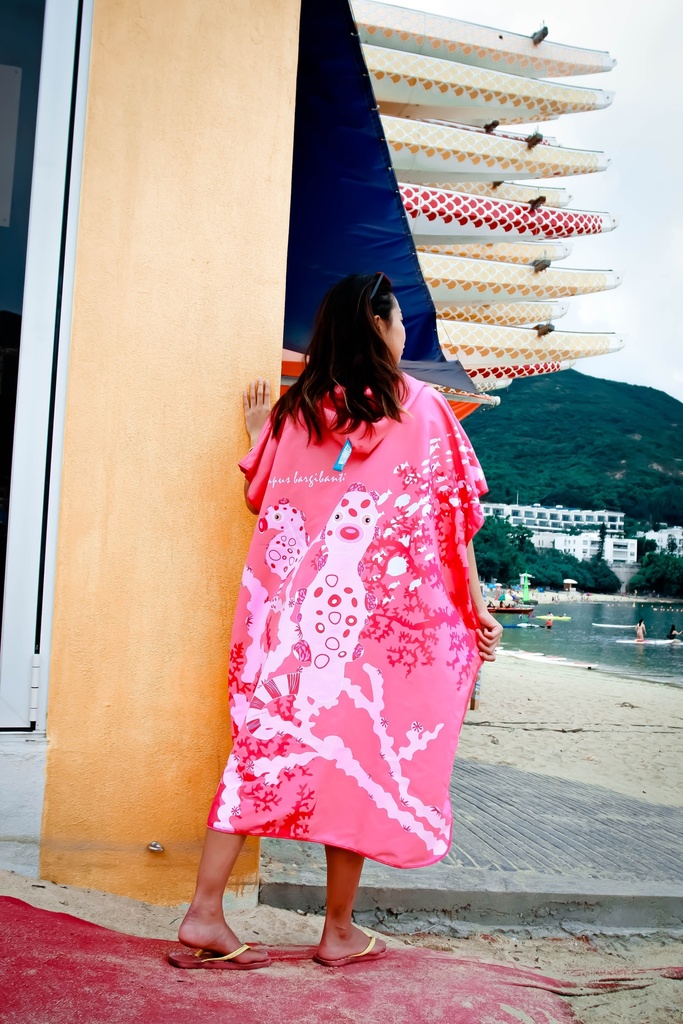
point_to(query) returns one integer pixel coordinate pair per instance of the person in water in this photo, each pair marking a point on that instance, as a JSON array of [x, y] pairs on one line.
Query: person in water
[[673, 632], [641, 631]]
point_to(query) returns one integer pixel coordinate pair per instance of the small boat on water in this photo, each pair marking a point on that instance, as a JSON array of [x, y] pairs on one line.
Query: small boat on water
[[511, 609], [613, 625], [649, 643], [555, 618]]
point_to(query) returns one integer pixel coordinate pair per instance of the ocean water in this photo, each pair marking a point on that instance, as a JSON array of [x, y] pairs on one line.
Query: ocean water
[[579, 640]]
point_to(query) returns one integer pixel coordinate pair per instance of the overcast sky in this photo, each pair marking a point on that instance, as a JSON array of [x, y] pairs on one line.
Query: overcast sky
[[642, 133]]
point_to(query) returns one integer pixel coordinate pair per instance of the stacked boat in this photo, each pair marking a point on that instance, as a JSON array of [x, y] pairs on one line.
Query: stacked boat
[[487, 233]]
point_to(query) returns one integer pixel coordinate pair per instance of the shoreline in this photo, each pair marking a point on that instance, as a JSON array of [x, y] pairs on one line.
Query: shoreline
[[594, 669], [577, 597], [581, 725]]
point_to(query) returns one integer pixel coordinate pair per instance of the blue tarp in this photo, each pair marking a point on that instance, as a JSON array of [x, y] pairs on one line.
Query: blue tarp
[[346, 211]]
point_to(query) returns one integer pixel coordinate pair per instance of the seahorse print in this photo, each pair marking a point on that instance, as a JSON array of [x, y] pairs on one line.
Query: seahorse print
[[330, 613], [286, 549]]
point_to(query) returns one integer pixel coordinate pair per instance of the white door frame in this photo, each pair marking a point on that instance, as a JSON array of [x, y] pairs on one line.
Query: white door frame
[[48, 293]]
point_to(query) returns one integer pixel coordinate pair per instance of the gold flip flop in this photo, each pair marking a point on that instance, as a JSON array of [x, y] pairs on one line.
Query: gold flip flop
[[208, 959], [369, 953]]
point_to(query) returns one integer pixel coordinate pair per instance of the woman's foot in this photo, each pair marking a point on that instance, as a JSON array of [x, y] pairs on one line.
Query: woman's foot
[[339, 942], [208, 930]]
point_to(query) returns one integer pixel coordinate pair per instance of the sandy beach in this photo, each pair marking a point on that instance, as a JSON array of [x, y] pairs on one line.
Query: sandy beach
[[569, 722], [586, 726], [554, 596], [658, 1001]]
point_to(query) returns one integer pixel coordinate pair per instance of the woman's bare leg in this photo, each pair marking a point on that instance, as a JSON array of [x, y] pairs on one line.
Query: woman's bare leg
[[340, 936], [204, 926]]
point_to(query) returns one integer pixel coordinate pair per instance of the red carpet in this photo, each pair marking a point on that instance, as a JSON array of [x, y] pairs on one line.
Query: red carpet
[[56, 969]]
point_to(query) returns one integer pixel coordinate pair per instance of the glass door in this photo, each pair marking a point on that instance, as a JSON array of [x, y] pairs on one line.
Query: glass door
[[38, 56]]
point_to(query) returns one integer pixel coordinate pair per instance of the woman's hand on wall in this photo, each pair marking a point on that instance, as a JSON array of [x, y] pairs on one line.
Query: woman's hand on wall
[[488, 635], [256, 401]]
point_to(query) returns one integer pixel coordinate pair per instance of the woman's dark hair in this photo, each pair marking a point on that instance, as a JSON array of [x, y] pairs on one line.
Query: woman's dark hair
[[348, 362]]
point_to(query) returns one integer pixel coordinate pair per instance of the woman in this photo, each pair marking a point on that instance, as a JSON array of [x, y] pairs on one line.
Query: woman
[[359, 629], [641, 631]]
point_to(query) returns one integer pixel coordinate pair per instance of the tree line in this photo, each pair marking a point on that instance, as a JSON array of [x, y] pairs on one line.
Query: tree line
[[569, 439], [504, 551]]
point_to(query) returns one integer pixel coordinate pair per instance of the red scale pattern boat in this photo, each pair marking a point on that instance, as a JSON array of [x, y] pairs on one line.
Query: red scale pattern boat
[[439, 214], [489, 378]]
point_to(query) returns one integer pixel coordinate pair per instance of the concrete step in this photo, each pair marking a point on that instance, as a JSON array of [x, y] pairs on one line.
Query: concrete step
[[528, 850]]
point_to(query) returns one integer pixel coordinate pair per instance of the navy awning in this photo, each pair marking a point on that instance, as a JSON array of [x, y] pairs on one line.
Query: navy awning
[[346, 211]]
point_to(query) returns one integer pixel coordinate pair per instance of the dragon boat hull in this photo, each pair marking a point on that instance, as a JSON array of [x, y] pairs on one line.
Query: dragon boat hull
[[463, 403], [484, 346], [504, 314], [503, 252], [513, 192], [452, 281], [433, 35], [493, 378], [442, 154], [447, 216], [412, 85]]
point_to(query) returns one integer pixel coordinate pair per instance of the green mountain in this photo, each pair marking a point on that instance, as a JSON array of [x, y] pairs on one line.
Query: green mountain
[[568, 439]]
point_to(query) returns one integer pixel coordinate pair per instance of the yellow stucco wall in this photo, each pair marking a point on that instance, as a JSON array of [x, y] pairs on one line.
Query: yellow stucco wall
[[179, 301]]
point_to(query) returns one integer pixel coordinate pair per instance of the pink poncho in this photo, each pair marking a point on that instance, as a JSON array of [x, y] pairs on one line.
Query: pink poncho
[[353, 651]]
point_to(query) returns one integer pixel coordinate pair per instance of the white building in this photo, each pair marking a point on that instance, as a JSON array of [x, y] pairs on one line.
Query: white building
[[584, 546], [671, 537], [557, 518]]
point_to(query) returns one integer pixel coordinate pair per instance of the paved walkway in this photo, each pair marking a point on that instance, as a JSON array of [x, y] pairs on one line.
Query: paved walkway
[[525, 847], [511, 820]]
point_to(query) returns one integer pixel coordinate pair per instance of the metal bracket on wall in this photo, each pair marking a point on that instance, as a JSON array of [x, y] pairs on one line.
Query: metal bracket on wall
[[35, 689]]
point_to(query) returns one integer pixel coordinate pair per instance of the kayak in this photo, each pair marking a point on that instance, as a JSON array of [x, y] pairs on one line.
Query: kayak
[[555, 618], [612, 625], [649, 643]]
